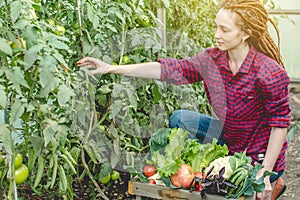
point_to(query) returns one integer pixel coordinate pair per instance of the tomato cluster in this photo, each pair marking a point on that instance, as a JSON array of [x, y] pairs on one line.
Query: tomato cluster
[[21, 170], [185, 177], [114, 175]]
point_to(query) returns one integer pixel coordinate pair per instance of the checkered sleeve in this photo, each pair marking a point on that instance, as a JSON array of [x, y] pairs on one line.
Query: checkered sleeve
[[184, 71], [274, 88]]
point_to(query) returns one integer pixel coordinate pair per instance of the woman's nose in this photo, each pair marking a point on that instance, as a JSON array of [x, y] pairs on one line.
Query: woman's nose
[[217, 34]]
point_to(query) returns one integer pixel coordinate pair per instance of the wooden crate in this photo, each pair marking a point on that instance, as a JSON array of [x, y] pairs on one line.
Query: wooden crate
[[161, 192]]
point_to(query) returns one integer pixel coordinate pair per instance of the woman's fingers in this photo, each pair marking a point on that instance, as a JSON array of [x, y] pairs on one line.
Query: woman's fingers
[[90, 62], [99, 66]]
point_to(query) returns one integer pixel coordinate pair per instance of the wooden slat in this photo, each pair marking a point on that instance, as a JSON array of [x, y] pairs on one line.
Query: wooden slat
[[161, 192]]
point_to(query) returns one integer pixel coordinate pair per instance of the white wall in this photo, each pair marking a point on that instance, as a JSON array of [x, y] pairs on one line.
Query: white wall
[[290, 37]]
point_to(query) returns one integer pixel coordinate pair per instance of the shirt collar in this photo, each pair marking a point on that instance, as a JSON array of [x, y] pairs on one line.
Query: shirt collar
[[247, 62]]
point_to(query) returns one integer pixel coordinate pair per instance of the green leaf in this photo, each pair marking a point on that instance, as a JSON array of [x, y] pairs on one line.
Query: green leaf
[[292, 132], [96, 22], [17, 109], [15, 10], [37, 144], [159, 139], [19, 76], [126, 8], [31, 158], [156, 94], [166, 3], [132, 97], [21, 23], [95, 148], [49, 131], [64, 95], [116, 108], [16, 76], [112, 28], [250, 191], [60, 58], [6, 138], [90, 152], [115, 158], [31, 55], [105, 170], [90, 13], [5, 47], [58, 44], [3, 97], [47, 80]]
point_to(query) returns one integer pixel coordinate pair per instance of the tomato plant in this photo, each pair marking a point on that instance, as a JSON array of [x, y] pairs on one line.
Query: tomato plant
[[47, 101]]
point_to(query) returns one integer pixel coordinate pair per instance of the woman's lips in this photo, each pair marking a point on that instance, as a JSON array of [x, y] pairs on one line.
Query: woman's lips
[[220, 43]]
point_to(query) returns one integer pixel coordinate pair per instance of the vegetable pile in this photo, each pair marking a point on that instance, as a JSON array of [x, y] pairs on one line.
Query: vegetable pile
[[178, 161]]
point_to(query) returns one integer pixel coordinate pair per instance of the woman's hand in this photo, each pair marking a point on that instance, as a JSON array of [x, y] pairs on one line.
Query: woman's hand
[[99, 66], [267, 193]]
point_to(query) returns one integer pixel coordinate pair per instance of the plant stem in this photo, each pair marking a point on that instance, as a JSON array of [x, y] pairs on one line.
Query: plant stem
[[91, 176]]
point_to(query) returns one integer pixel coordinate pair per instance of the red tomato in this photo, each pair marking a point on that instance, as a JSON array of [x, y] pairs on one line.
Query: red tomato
[[149, 170], [152, 181], [184, 176]]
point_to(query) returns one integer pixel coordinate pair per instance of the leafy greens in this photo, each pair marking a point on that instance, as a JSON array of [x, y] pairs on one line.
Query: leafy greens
[[179, 148]]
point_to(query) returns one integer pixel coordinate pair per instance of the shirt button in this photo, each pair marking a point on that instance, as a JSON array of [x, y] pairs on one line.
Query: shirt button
[[229, 84]]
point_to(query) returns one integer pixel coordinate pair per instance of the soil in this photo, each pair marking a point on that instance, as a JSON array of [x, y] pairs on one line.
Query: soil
[[292, 174]]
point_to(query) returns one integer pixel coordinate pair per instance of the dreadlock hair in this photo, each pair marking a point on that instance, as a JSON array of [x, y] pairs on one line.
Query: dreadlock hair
[[253, 19]]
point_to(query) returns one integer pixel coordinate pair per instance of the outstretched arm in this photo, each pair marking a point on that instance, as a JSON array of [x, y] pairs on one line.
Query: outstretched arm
[[144, 70]]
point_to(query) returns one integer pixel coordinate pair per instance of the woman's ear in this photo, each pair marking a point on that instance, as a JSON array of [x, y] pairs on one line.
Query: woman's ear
[[246, 34]]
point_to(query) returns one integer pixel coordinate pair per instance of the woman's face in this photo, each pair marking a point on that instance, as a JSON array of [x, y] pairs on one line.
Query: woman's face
[[228, 35]]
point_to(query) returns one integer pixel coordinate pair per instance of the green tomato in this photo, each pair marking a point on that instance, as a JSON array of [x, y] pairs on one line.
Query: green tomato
[[143, 20], [21, 174], [18, 160], [115, 175], [125, 59], [59, 30], [101, 128], [19, 44], [104, 180], [51, 22], [1, 159]]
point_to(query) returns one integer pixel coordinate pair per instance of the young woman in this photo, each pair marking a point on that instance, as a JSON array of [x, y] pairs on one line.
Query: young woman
[[245, 82]]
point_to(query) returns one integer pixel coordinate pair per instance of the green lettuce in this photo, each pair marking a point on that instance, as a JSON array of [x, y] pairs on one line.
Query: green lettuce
[[171, 147], [199, 156], [168, 159]]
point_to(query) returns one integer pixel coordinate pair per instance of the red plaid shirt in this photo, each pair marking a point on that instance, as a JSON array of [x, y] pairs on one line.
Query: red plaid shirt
[[250, 102]]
